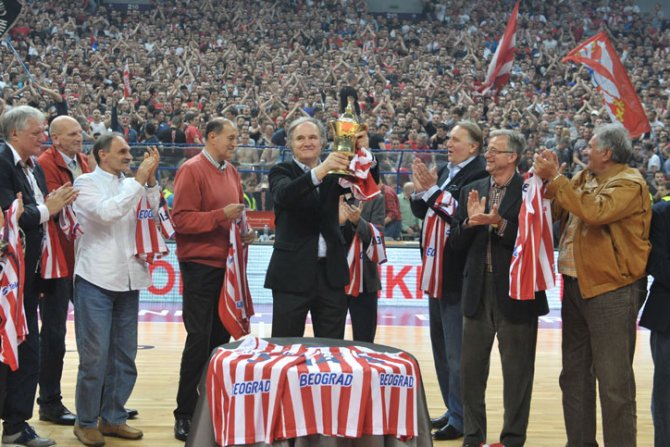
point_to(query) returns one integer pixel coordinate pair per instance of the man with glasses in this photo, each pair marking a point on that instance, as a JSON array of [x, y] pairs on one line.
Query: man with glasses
[[487, 227]]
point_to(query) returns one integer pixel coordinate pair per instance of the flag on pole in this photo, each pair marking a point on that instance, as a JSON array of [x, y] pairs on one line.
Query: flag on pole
[[9, 12], [126, 81], [612, 82], [501, 65]]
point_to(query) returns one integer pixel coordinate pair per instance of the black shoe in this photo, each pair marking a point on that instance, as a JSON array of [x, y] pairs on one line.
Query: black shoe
[[132, 413], [440, 422], [56, 413], [181, 428], [447, 433]]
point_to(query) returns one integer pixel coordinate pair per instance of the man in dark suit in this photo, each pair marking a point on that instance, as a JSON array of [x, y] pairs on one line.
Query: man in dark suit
[[656, 316], [308, 268], [446, 319], [23, 128], [487, 228]]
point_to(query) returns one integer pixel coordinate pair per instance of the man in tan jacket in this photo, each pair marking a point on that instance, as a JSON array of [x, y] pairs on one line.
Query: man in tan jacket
[[605, 216]]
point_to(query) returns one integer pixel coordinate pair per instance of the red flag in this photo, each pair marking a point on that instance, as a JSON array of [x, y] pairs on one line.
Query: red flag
[[126, 81], [610, 78], [503, 59]]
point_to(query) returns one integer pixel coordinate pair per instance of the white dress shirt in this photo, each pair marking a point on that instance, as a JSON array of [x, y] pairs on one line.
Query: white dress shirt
[[106, 209], [37, 192]]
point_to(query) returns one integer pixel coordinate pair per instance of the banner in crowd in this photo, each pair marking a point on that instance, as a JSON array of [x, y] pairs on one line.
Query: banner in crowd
[[400, 277], [501, 65], [611, 80], [9, 12]]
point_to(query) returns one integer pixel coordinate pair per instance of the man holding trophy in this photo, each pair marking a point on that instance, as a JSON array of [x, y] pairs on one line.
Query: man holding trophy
[[308, 269]]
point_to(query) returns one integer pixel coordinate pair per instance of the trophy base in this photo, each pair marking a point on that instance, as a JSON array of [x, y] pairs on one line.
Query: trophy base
[[341, 173]]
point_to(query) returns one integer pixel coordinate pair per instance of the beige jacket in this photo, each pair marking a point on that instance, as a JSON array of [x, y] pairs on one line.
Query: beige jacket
[[611, 243]]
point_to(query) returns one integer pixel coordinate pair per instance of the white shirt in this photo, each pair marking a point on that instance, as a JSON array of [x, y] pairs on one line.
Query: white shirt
[[37, 192], [106, 209]]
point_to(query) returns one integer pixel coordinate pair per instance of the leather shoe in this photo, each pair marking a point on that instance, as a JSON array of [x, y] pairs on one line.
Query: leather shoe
[[124, 431], [181, 428], [132, 413], [447, 433], [56, 413], [89, 436], [440, 422]]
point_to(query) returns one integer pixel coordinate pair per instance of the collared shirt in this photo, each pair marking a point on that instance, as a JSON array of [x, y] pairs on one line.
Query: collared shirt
[[316, 182], [28, 171], [220, 166], [453, 170], [106, 209], [71, 164], [496, 196]]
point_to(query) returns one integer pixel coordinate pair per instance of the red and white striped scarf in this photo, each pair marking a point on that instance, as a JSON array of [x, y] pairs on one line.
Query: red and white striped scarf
[[149, 243], [532, 266], [362, 185], [67, 220], [167, 226], [13, 326], [434, 236], [53, 264], [235, 304], [375, 251]]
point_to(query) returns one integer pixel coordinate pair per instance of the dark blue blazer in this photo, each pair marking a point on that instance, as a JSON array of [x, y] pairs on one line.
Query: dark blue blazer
[[656, 313]]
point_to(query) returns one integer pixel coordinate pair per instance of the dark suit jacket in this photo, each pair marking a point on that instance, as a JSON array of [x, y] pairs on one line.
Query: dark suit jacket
[[373, 213], [656, 314], [12, 181], [453, 262], [475, 240], [301, 213]]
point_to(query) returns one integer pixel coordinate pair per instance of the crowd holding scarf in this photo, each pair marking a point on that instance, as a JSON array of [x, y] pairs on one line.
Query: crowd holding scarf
[[13, 326], [375, 251], [434, 236], [235, 304], [149, 243], [361, 183]]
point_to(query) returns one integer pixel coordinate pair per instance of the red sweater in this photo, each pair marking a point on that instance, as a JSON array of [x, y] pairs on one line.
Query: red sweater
[[200, 193]]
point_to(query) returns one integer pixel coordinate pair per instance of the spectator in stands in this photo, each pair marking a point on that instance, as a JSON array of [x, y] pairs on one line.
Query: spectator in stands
[[393, 218], [411, 224]]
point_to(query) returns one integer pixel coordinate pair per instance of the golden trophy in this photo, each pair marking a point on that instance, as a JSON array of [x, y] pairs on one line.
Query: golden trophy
[[344, 131]]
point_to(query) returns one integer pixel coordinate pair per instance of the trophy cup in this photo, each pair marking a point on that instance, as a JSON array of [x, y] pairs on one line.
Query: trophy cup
[[344, 130]]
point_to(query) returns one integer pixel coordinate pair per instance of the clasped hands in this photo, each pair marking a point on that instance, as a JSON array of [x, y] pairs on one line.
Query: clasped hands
[[477, 214]]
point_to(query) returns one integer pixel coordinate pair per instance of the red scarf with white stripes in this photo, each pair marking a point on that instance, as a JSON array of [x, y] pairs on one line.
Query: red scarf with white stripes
[[532, 266], [362, 184], [149, 243], [235, 304], [53, 264], [375, 251], [13, 326], [434, 236], [167, 226]]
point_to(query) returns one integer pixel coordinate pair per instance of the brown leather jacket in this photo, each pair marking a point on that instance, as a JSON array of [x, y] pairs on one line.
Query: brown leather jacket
[[611, 243]]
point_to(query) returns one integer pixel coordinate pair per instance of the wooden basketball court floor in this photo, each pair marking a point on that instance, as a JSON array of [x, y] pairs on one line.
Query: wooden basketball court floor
[[158, 366]]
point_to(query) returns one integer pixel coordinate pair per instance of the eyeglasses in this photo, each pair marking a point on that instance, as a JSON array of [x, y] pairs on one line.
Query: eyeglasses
[[496, 151]]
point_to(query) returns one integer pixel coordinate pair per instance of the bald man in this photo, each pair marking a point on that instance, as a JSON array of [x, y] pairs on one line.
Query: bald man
[[62, 163]]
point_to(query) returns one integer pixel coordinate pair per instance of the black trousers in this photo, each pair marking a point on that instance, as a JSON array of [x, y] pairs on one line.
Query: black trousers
[[53, 312], [327, 306], [363, 313], [22, 383], [202, 288]]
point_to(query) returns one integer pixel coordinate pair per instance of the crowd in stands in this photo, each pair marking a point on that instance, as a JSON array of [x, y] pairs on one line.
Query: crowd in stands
[[264, 63]]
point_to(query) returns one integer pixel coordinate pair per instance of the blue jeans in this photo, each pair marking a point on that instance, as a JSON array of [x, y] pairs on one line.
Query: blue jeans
[[660, 396], [105, 324], [446, 336]]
